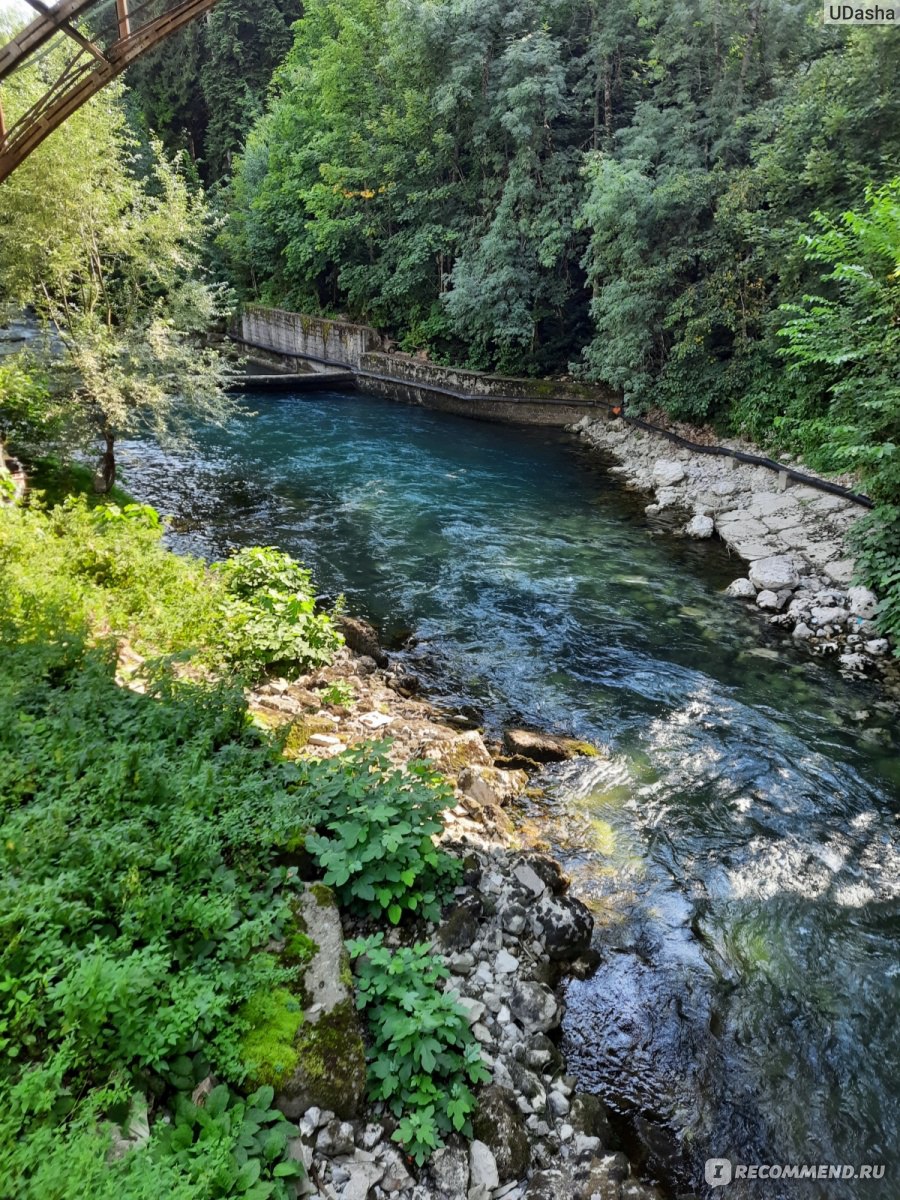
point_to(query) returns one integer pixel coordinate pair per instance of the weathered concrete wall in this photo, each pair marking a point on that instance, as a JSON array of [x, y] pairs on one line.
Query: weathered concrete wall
[[402, 377], [307, 337]]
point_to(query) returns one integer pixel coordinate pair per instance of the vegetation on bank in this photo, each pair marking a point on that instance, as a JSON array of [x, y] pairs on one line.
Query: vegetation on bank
[[147, 842]]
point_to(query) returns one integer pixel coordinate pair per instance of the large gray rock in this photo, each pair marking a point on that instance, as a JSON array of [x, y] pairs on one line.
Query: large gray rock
[[534, 1006], [499, 1124], [774, 574], [564, 925], [323, 1064], [667, 472], [539, 747]]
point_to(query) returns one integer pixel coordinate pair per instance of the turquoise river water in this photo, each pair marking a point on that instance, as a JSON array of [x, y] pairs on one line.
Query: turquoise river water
[[739, 843]]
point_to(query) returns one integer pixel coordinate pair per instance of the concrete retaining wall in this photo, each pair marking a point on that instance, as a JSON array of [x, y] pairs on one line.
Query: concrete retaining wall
[[401, 377]]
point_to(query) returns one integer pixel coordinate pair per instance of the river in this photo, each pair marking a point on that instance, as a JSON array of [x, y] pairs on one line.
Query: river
[[738, 840]]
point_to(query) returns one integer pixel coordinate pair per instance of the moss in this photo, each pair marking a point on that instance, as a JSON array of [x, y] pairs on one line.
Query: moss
[[269, 1048], [301, 730], [332, 1060], [583, 748], [323, 895]]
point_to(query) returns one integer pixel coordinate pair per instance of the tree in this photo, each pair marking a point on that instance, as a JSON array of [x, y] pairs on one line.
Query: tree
[[111, 262]]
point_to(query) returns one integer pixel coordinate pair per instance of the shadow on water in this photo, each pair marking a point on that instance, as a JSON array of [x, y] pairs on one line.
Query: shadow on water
[[738, 842]]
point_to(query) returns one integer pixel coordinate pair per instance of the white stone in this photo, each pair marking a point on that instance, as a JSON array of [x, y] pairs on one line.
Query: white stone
[[505, 963], [802, 632], [828, 616], [375, 720], [527, 876], [482, 1167], [700, 526], [877, 647], [326, 740], [863, 603], [767, 599], [743, 589], [853, 662], [475, 1010], [840, 571], [363, 1177], [667, 473], [774, 573]]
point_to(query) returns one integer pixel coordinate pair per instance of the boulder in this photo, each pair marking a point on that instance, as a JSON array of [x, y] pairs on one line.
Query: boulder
[[534, 1006], [667, 472], [539, 747], [564, 925], [767, 599], [700, 526], [305, 1039], [774, 573], [501, 1127], [741, 589]]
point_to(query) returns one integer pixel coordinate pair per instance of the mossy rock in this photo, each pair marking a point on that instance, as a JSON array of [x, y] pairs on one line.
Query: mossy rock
[[305, 1039], [301, 730]]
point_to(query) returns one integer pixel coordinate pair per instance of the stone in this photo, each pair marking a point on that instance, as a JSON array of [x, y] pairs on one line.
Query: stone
[[667, 472], [529, 878], [539, 747], [802, 632], [742, 589], [863, 602], [547, 870], [588, 1117], [452, 755], [774, 573], [315, 1057], [766, 504], [877, 647], [500, 1126], [336, 1138], [491, 785], [700, 526], [840, 571], [559, 1105], [460, 929], [548, 1185], [362, 638], [482, 1167], [450, 1169], [832, 615], [564, 925], [505, 963], [534, 1006], [475, 1010], [767, 599], [853, 663], [363, 1177]]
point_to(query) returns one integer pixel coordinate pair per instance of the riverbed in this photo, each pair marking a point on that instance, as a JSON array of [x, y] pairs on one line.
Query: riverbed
[[737, 840]]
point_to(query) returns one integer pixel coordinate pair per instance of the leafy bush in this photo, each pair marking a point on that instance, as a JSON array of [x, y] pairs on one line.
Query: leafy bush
[[424, 1055], [246, 1139], [271, 622], [378, 851]]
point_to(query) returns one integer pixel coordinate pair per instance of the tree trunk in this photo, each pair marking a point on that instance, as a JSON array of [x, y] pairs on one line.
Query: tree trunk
[[105, 475]]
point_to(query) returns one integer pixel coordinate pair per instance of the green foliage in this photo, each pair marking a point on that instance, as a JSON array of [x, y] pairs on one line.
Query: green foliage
[[143, 877], [377, 850], [845, 350], [424, 1056], [339, 693], [30, 417], [270, 617], [240, 1146]]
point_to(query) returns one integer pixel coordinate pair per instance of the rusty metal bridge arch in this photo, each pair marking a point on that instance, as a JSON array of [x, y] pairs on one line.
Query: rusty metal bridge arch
[[105, 36]]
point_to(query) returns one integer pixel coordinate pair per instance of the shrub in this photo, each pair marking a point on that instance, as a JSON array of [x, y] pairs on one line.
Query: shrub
[[378, 850], [271, 621], [423, 1055]]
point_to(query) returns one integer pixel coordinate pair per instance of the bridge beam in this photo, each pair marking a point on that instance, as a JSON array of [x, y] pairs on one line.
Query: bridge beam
[[80, 81]]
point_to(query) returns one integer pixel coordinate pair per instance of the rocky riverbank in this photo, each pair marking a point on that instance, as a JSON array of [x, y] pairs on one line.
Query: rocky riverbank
[[794, 539], [510, 938]]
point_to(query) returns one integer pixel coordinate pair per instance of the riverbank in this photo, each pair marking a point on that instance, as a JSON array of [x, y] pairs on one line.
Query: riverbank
[[794, 540], [511, 938]]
